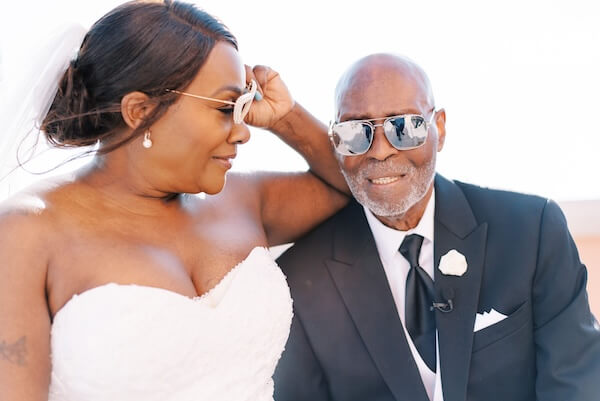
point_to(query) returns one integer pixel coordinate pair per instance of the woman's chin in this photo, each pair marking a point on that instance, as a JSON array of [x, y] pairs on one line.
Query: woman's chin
[[212, 188]]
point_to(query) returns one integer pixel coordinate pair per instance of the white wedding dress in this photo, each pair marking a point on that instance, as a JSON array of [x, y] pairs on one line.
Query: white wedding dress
[[136, 343]]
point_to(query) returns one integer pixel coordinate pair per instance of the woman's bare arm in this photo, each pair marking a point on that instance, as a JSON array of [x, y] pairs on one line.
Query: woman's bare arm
[[292, 204], [24, 317], [308, 136]]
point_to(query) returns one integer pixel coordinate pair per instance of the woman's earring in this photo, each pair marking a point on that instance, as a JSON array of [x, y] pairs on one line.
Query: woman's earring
[[147, 142]]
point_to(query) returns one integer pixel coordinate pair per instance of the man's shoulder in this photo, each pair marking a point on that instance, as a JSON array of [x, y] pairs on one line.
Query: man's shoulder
[[501, 208], [493, 199]]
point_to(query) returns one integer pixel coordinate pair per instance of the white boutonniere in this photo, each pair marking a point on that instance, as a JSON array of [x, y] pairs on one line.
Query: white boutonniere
[[453, 263]]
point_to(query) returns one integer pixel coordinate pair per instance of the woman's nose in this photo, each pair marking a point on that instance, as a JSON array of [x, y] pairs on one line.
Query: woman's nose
[[240, 134]]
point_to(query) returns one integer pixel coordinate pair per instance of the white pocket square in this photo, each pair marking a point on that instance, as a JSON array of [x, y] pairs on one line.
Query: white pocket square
[[486, 319]]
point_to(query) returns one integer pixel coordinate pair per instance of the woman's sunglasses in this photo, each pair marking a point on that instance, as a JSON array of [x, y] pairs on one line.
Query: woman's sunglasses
[[404, 132], [241, 106]]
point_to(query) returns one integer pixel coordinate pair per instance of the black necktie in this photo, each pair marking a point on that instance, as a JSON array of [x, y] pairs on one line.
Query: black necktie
[[420, 319]]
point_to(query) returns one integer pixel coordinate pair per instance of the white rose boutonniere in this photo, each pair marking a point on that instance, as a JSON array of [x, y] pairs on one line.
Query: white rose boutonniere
[[453, 263]]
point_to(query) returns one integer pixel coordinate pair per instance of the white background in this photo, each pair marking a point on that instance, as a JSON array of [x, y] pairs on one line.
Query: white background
[[519, 80]]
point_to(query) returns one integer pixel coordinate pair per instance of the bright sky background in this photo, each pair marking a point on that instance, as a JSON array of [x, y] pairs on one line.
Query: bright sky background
[[519, 80]]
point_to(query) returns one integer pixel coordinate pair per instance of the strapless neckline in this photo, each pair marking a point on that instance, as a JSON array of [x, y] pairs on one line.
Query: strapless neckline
[[124, 286], [129, 342]]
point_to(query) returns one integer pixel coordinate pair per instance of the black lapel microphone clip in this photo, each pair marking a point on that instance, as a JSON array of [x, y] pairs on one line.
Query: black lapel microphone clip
[[444, 307]]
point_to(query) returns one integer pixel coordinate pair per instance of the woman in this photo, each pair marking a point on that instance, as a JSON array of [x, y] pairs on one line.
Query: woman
[[116, 285]]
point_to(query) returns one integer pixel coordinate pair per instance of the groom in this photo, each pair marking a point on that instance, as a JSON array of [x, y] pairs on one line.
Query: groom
[[425, 288]]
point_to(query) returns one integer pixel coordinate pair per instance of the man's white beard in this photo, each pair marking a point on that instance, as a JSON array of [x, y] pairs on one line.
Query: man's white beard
[[422, 179]]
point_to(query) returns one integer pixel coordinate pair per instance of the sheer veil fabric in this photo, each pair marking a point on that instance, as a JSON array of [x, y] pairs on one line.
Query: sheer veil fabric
[[26, 99]]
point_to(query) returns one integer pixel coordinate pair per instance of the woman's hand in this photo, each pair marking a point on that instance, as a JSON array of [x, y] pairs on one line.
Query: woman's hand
[[276, 99]]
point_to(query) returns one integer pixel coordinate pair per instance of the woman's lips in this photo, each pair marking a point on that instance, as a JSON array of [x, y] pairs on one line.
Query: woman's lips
[[224, 161]]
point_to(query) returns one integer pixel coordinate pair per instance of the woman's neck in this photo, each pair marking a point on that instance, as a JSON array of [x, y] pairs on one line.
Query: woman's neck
[[121, 186]]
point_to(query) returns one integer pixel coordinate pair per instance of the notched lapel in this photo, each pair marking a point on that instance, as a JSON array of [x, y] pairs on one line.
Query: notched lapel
[[456, 228], [360, 279]]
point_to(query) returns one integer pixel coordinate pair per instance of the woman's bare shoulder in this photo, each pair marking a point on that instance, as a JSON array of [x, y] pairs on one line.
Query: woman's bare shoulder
[[25, 242], [30, 214]]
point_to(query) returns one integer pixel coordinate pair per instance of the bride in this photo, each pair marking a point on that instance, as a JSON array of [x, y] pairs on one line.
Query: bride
[[116, 284]]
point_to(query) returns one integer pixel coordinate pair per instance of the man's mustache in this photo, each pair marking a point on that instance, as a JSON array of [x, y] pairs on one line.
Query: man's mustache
[[388, 167]]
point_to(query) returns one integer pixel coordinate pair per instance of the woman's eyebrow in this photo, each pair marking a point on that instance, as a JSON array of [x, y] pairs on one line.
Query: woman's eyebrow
[[231, 88]]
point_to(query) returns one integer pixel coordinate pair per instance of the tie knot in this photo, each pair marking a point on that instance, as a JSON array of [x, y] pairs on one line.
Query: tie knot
[[410, 249]]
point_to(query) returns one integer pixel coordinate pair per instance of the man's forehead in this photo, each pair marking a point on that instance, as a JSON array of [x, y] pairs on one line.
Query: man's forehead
[[381, 82], [382, 96]]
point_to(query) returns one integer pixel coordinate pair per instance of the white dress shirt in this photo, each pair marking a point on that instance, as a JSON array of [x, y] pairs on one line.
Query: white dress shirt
[[396, 268]]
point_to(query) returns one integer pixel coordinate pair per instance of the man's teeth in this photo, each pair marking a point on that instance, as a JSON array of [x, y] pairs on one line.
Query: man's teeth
[[385, 180]]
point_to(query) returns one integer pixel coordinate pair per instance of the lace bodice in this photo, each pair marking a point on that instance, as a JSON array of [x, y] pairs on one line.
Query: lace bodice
[[128, 342]]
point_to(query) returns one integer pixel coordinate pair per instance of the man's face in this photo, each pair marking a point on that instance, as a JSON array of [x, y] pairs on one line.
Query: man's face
[[386, 180]]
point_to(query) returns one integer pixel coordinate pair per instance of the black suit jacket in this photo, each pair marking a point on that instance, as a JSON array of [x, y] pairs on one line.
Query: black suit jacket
[[347, 342]]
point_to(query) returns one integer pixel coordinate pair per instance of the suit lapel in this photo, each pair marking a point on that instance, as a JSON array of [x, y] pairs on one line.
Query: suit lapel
[[360, 279], [456, 228]]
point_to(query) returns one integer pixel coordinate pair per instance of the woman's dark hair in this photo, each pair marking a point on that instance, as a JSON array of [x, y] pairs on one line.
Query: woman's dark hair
[[139, 46]]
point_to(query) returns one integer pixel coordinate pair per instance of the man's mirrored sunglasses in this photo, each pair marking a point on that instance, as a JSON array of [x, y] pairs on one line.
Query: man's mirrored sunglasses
[[404, 132]]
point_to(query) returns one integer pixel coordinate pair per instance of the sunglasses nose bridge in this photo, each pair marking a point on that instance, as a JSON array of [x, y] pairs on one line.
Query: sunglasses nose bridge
[[380, 148], [374, 128], [380, 134]]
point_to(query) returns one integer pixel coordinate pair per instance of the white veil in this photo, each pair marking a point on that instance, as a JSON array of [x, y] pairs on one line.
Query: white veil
[[25, 101]]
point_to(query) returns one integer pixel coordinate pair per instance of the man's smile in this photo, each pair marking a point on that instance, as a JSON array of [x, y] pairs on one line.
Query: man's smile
[[386, 180]]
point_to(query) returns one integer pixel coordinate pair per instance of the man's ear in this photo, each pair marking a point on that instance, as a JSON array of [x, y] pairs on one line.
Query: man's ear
[[440, 122], [135, 107]]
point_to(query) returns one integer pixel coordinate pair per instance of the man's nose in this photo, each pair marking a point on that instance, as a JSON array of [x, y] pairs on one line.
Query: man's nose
[[381, 148], [240, 134]]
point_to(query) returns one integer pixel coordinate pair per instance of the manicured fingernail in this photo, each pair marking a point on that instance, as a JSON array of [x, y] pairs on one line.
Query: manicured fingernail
[[258, 96]]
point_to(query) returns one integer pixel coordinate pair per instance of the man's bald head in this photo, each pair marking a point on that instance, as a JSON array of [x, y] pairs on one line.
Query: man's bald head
[[393, 183], [375, 72]]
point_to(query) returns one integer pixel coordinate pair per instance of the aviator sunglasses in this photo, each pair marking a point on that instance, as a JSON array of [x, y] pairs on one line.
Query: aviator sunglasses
[[404, 132], [241, 106]]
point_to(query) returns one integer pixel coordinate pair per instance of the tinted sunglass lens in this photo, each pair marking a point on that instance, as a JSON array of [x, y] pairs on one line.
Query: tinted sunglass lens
[[395, 131], [242, 107], [417, 130], [417, 122], [406, 132], [352, 138], [246, 107]]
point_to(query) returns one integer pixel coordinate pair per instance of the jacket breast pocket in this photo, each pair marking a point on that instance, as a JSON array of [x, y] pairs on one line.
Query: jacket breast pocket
[[503, 328]]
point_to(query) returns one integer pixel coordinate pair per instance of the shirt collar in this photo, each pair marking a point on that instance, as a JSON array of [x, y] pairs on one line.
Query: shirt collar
[[388, 240]]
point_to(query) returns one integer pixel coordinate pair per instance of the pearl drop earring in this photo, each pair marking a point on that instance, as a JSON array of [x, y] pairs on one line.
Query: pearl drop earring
[[147, 142]]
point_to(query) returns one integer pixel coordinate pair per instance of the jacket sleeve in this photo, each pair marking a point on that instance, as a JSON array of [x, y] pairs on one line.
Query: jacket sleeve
[[299, 376], [567, 335]]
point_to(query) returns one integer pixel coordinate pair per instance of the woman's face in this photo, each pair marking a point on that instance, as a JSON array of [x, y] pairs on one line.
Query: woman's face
[[195, 141]]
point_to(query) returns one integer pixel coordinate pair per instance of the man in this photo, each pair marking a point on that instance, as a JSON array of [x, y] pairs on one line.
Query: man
[[425, 288]]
